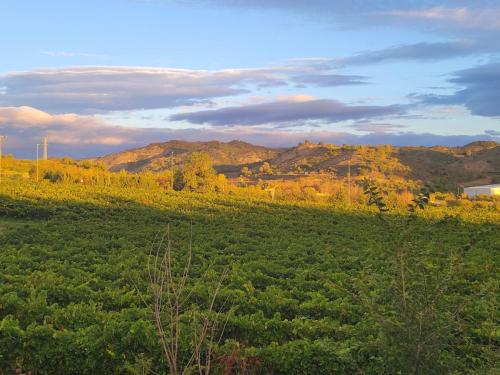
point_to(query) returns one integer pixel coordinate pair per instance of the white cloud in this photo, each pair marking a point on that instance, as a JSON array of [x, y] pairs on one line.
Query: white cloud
[[482, 18], [105, 88], [27, 124], [24, 116]]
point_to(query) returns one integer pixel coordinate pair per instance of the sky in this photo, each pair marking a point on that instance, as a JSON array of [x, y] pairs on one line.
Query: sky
[[100, 76]]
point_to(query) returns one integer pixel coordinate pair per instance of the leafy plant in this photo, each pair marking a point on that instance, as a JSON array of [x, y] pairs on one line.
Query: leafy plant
[[314, 287], [375, 195]]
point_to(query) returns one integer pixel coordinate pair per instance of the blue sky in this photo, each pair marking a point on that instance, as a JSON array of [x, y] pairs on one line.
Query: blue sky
[[101, 76]]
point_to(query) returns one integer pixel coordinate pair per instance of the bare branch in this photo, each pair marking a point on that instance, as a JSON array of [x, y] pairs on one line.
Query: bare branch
[[170, 298]]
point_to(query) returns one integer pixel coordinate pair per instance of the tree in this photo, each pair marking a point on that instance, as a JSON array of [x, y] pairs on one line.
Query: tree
[[198, 174], [246, 172], [221, 183], [266, 168], [179, 182]]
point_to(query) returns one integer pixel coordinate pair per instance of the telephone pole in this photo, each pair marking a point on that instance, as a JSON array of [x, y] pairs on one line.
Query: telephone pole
[[2, 138]]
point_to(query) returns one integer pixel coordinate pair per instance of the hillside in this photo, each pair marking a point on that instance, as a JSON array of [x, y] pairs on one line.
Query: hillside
[[445, 167], [467, 165], [227, 157]]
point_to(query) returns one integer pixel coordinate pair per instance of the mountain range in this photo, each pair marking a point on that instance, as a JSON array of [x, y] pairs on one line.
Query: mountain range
[[474, 163]]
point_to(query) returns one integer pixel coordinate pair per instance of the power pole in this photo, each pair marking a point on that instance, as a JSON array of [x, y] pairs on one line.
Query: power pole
[[44, 148], [37, 152], [2, 138]]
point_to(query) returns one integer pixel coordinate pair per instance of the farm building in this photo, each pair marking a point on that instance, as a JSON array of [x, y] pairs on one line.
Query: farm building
[[472, 191]]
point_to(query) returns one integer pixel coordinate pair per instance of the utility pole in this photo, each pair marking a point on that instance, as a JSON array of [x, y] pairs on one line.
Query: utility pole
[[2, 138], [37, 153], [44, 148]]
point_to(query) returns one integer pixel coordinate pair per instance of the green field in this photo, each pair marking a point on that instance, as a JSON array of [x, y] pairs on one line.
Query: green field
[[312, 288]]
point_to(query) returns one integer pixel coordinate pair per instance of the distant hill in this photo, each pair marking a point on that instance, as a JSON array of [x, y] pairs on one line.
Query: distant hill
[[444, 167], [473, 164], [227, 157]]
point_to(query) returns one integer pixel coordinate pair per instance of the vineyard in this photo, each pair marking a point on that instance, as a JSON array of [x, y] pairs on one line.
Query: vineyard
[[310, 287]]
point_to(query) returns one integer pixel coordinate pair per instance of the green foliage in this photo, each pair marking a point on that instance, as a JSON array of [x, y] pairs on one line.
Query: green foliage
[[382, 160], [197, 175], [265, 168], [314, 288], [375, 195], [246, 172], [419, 202]]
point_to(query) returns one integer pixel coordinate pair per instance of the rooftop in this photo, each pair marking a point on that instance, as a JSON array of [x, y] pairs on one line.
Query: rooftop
[[484, 186]]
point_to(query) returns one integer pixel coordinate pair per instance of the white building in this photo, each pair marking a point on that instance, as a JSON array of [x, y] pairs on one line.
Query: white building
[[472, 191]]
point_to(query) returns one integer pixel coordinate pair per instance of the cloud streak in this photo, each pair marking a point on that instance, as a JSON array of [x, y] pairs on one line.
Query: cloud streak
[[425, 51], [375, 127], [486, 18], [450, 15], [100, 89], [328, 80], [471, 25], [480, 93], [286, 112]]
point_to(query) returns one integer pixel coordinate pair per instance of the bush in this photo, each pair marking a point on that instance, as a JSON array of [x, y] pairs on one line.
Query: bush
[[481, 204], [460, 203]]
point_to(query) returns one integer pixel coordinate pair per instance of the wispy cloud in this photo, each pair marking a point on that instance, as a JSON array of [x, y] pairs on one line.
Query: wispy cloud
[[480, 91], [464, 27], [442, 14], [74, 54], [106, 88], [414, 52], [494, 133], [425, 51], [329, 80], [286, 113], [465, 17], [375, 127]]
